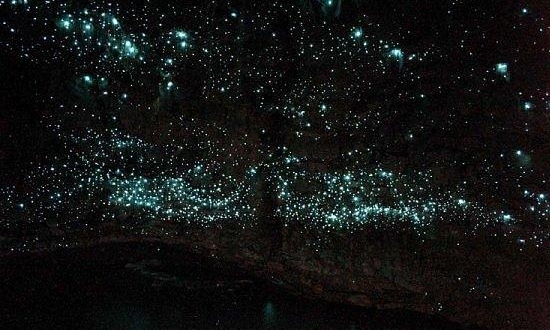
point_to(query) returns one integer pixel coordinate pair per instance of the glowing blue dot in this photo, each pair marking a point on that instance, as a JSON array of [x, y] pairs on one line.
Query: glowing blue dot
[[502, 68], [397, 53]]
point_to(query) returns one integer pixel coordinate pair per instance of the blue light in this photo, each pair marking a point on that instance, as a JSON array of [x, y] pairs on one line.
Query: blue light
[[397, 54], [502, 70]]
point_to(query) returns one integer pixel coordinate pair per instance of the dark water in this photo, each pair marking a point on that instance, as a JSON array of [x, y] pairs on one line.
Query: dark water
[[97, 289]]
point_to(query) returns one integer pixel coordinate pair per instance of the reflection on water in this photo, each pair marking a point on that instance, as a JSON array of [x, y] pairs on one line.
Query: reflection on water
[[269, 314], [97, 291]]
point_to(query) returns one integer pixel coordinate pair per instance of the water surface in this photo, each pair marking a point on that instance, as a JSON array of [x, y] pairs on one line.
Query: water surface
[[155, 287]]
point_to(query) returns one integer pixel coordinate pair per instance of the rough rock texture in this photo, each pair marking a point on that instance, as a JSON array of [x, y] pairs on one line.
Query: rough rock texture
[[480, 281]]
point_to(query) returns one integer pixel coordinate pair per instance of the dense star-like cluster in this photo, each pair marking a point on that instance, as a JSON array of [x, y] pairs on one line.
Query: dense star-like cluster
[[171, 111]]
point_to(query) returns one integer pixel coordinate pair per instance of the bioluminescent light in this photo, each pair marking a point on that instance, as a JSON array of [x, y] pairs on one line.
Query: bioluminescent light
[[199, 85], [357, 33], [397, 55]]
